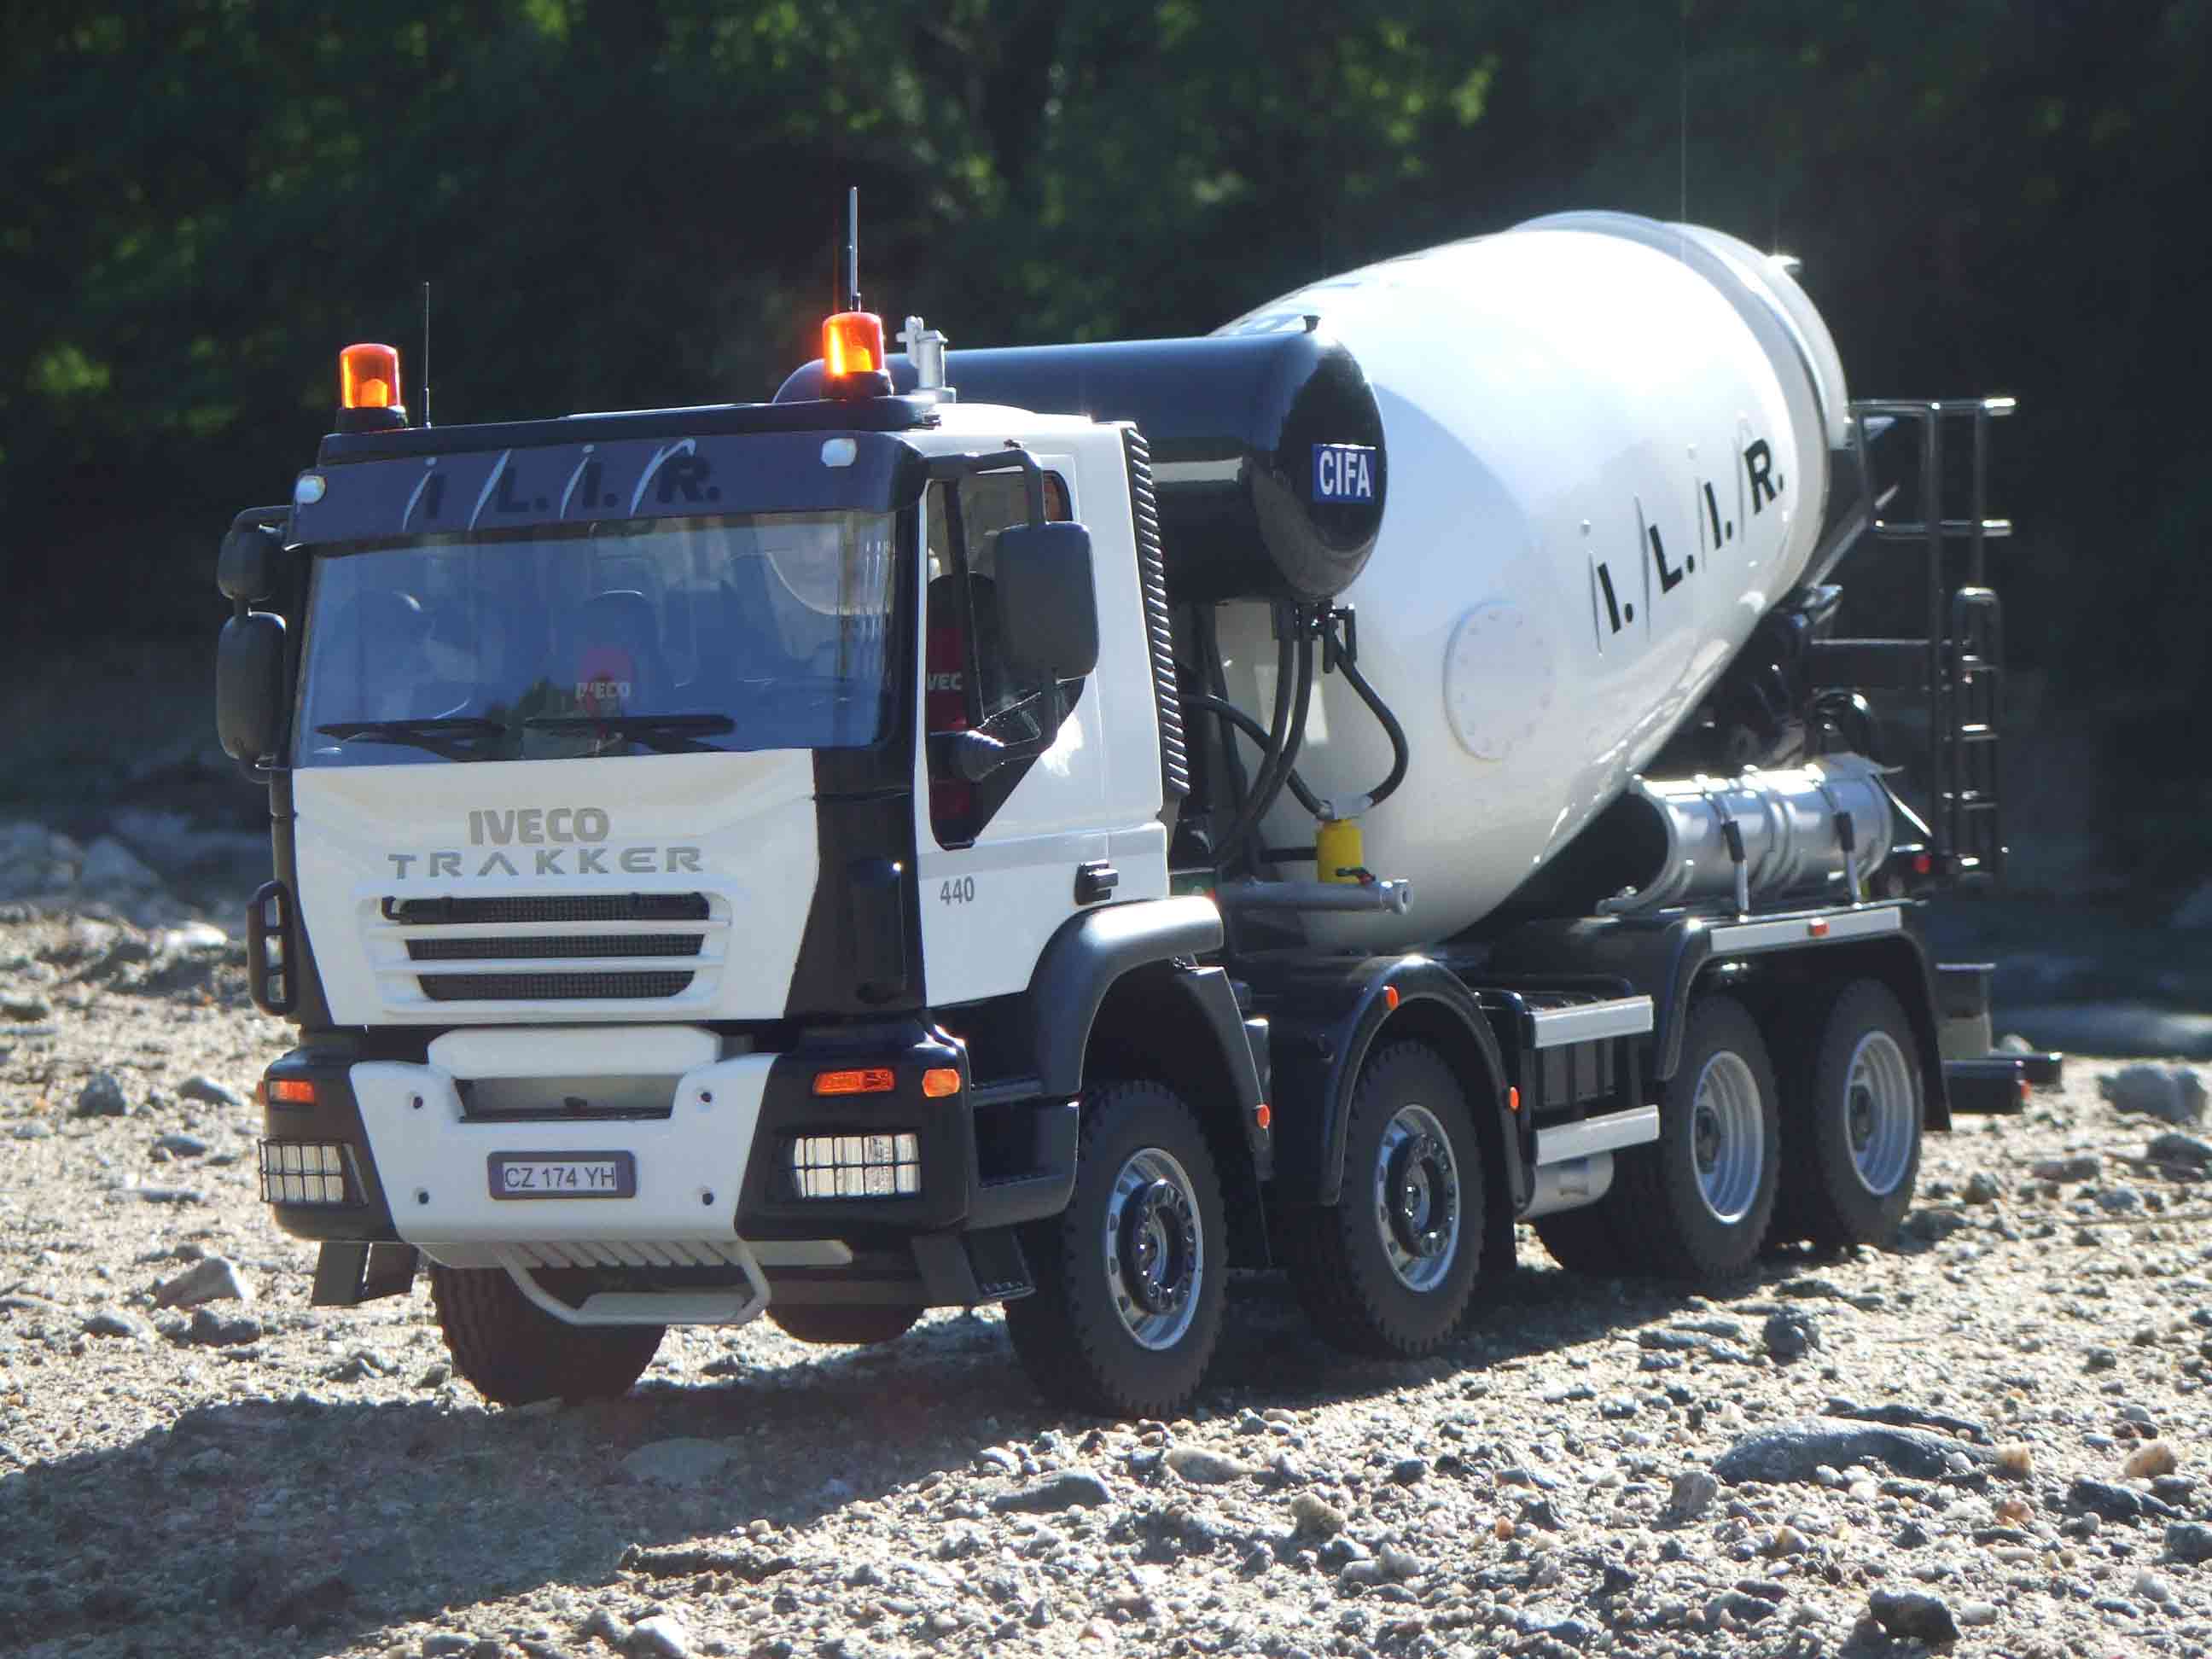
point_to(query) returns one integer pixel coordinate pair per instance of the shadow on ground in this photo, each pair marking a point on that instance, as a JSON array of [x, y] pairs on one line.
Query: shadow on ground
[[335, 1520]]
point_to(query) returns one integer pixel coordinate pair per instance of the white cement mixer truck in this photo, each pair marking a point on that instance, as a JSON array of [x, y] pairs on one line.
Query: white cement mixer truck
[[1093, 818]]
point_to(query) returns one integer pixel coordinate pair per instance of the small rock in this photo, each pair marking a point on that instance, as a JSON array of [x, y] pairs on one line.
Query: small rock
[[2101, 1359], [213, 1330], [2016, 1460], [1694, 1493], [1410, 1471], [1742, 1606], [679, 1462], [110, 1322], [608, 1627], [2188, 1540], [1785, 1540], [2112, 1503], [660, 1636], [183, 1145], [1315, 1516], [1204, 1468], [25, 1006], [1790, 1335], [1250, 1422], [1401, 1564], [1982, 1188], [102, 1097], [2119, 1200], [2174, 1093], [1914, 1615], [442, 1644], [1616, 1578], [2153, 1458], [1792, 1451], [208, 1093], [2187, 1150], [2082, 1168], [2152, 1588], [1066, 1489], [1973, 1615], [1933, 1226], [212, 1279]]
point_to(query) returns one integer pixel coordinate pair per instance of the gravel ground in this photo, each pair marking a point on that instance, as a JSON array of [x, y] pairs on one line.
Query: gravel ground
[[1987, 1436]]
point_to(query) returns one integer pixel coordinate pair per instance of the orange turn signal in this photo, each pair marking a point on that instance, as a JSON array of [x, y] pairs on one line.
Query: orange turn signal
[[368, 377], [1512, 1100], [939, 1081], [1390, 996], [290, 1091], [859, 1080], [1818, 928], [852, 343], [1263, 1114]]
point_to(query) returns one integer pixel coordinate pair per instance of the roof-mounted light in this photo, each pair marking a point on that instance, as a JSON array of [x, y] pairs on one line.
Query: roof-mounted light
[[369, 398], [852, 343]]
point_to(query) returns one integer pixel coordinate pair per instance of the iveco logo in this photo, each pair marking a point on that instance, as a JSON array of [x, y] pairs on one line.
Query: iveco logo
[[533, 826]]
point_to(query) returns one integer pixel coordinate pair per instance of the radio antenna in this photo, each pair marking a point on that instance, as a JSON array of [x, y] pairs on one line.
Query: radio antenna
[[848, 281], [426, 353]]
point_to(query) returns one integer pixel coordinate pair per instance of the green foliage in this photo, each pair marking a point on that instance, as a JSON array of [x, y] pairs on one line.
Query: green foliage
[[630, 202]]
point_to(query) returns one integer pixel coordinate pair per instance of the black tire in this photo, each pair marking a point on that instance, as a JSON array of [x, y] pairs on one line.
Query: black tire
[[513, 1352], [1658, 1199], [846, 1325], [1358, 1295], [1824, 1197], [1585, 1241], [1071, 1335]]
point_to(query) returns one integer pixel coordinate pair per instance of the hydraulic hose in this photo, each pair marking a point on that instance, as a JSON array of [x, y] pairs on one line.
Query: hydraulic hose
[[1252, 729], [1293, 690], [1217, 685], [1399, 753]]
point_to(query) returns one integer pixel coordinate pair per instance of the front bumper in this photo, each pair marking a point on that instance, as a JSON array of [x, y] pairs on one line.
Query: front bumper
[[715, 1185]]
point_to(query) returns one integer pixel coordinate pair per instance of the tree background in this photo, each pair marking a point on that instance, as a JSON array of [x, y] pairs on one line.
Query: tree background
[[623, 203]]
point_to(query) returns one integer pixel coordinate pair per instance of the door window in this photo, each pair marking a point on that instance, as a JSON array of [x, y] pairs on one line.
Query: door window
[[970, 684]]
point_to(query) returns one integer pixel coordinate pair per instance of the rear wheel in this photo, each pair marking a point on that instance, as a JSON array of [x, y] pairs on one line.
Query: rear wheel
[[513, 1352], [1698, 1200], [856, 1325], [1129, 1276], [1857, 1105], [1389, 1271]]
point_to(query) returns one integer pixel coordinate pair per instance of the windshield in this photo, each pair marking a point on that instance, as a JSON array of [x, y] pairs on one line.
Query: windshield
[[661, 635]]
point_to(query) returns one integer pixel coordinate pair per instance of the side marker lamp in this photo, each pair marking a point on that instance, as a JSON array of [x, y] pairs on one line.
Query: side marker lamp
[[291, 1090], [859, 1080]]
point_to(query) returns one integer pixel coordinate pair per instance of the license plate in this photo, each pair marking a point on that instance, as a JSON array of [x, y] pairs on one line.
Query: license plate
[[563, 1175]]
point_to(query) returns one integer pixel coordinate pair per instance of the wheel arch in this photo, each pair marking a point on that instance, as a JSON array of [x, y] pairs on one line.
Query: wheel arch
[[1324, 1028], [1180, 1026]]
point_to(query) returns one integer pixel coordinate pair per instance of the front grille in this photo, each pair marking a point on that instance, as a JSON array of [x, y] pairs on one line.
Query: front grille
[[512, 947], [551, 988], [582, 906]]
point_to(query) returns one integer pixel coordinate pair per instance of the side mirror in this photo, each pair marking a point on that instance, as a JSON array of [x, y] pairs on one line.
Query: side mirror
[[245, 568], [249, 686], [1048, 608]]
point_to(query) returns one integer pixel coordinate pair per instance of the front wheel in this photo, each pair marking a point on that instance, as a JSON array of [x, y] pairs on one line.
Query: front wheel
[[1858, 1105], [1128, 1303], [514, 1352], [1698, 1200], [1390, 1270]]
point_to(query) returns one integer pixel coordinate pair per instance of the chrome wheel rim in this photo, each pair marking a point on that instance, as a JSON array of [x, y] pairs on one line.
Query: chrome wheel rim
[[1878, 1116], [1727, 1137], [1416, 1198], [1154, 1251]]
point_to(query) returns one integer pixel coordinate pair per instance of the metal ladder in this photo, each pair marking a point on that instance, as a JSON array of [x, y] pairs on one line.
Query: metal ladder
[[1959, 664]]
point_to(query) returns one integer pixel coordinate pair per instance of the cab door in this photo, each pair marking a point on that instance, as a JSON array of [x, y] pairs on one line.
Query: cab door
[[1001, 859]]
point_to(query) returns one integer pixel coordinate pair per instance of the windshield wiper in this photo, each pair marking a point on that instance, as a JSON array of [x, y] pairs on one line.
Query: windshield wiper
[[667, 734], [433, 732]]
